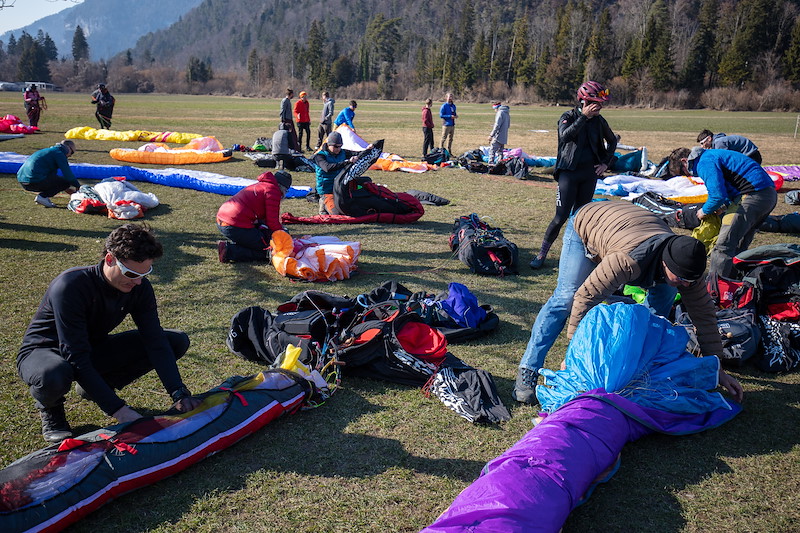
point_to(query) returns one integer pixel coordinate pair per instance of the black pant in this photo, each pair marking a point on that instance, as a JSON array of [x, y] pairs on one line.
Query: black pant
[[756, 156], [575, 189], [322, 132], [427, 143], [48, 187], [104, 118], [304, 127], [120, 360]]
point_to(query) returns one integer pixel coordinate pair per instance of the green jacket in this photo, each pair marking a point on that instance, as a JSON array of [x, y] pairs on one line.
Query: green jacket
[[46, 163]]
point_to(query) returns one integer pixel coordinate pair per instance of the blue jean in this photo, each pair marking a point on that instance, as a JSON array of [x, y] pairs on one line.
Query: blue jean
[[573, 269]]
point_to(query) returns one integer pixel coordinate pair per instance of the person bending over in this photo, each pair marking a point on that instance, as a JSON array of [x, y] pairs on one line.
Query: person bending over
[[330, 161], [606, 245], [39, 173]]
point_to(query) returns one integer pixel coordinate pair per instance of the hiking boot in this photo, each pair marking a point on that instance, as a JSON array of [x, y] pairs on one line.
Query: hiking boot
[[55, 427], [537, 262], [41, 200], [525, 386], [222, 251]]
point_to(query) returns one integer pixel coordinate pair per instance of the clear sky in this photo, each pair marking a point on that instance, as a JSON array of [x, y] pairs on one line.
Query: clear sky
[[25, 12]]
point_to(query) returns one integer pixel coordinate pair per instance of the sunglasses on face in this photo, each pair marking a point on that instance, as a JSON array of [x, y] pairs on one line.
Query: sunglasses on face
[[335, 145], [131, 274]]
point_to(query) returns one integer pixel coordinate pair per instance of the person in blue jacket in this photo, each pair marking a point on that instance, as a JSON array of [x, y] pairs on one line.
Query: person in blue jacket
[[39, 173], [723, 141], [732, 179], [347, 115], [448, 115]]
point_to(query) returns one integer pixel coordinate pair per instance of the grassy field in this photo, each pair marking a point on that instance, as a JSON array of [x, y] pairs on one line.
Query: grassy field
[[380, 457]]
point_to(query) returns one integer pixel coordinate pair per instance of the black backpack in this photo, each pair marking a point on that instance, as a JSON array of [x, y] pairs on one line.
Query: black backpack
[[484, 249], [437, 156], [738, 330], [256, 335], [387, 343]]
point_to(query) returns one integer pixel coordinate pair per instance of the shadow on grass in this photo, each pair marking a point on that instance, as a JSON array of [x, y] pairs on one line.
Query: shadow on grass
[[327, 449], [37, 246], [656, 468], [9, 226]]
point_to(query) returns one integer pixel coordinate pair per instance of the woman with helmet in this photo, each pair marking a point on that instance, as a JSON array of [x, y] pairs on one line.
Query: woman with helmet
[[586, 145]]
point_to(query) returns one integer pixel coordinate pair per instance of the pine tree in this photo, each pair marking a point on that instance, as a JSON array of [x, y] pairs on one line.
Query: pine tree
[[33, 63], [695, 72], [80, 47], [736, 64], [792, 57]]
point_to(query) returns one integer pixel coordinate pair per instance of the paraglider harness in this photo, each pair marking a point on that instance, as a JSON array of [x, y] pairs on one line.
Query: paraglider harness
[[484, 249]]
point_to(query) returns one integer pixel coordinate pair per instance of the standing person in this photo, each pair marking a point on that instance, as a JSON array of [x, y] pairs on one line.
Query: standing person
[[69, 338], [330, 161], [249, 217], [499, 135], [105, 105], [301, 108], [731, 178], [722, 141], [607, 245], [39, 173], [34, 104], [448, 115], [586, 146], [325, 119], [286, 119], [347, 115], [427, 127]]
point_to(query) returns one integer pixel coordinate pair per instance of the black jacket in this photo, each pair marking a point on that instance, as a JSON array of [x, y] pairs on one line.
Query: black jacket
[[576, 132]]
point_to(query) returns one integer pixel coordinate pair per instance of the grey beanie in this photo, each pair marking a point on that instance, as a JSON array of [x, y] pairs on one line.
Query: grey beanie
[[334, 137], [696, 152], [283, 178]]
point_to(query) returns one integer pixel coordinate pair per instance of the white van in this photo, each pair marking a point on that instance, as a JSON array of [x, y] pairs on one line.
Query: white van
[[41, 86]]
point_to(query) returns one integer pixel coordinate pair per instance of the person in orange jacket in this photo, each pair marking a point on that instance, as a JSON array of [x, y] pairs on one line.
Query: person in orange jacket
[[303, 120]]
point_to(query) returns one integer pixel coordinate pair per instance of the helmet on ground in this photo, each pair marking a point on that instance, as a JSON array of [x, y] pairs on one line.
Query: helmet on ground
[[591, 91]]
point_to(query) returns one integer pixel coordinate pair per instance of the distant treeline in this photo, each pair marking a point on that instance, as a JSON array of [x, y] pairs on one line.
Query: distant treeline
[[722, 54]]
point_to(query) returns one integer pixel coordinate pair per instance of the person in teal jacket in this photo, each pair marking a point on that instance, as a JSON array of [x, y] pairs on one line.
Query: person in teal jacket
[[737, 186], [39, 173], [330, 161], [347, 115]]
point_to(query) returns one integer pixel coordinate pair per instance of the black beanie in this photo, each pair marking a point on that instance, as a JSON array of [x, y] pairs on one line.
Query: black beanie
[[685, 257], [283, 178]]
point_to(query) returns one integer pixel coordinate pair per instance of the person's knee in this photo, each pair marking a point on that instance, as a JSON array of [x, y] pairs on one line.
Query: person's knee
[[179, 341], [54, 382]]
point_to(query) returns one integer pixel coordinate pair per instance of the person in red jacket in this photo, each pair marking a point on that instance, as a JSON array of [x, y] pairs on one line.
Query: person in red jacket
[[427, 127], [303, 120], [249, 217]]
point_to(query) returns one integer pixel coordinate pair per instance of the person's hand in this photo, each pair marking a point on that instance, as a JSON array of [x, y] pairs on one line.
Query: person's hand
[[490, 138], [599, 169], [591, 109], [184, 405], [353, 159], [370, 146], [71, 190], [700, 214], [126, 414], [731, 385]]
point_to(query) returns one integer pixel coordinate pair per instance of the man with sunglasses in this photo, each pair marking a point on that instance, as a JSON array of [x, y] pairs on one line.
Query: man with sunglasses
[[69, 338], [609, 244]]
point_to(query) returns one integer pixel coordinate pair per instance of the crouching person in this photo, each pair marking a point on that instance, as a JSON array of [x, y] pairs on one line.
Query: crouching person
[[607, 245], [39, 173], [69, 337], [330, 161], [249, 217]]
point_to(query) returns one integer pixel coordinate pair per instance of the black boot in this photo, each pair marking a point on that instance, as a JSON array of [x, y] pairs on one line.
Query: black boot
[[55, 427], [525, 386]]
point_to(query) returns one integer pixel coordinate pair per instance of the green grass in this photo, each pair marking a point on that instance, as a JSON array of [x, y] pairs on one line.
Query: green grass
[[379, 457]]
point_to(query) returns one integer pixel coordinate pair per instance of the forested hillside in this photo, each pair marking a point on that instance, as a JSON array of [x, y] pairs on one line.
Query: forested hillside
[[730, 54]]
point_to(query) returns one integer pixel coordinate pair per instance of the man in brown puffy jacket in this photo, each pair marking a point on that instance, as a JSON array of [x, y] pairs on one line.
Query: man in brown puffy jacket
[[609, 244]]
